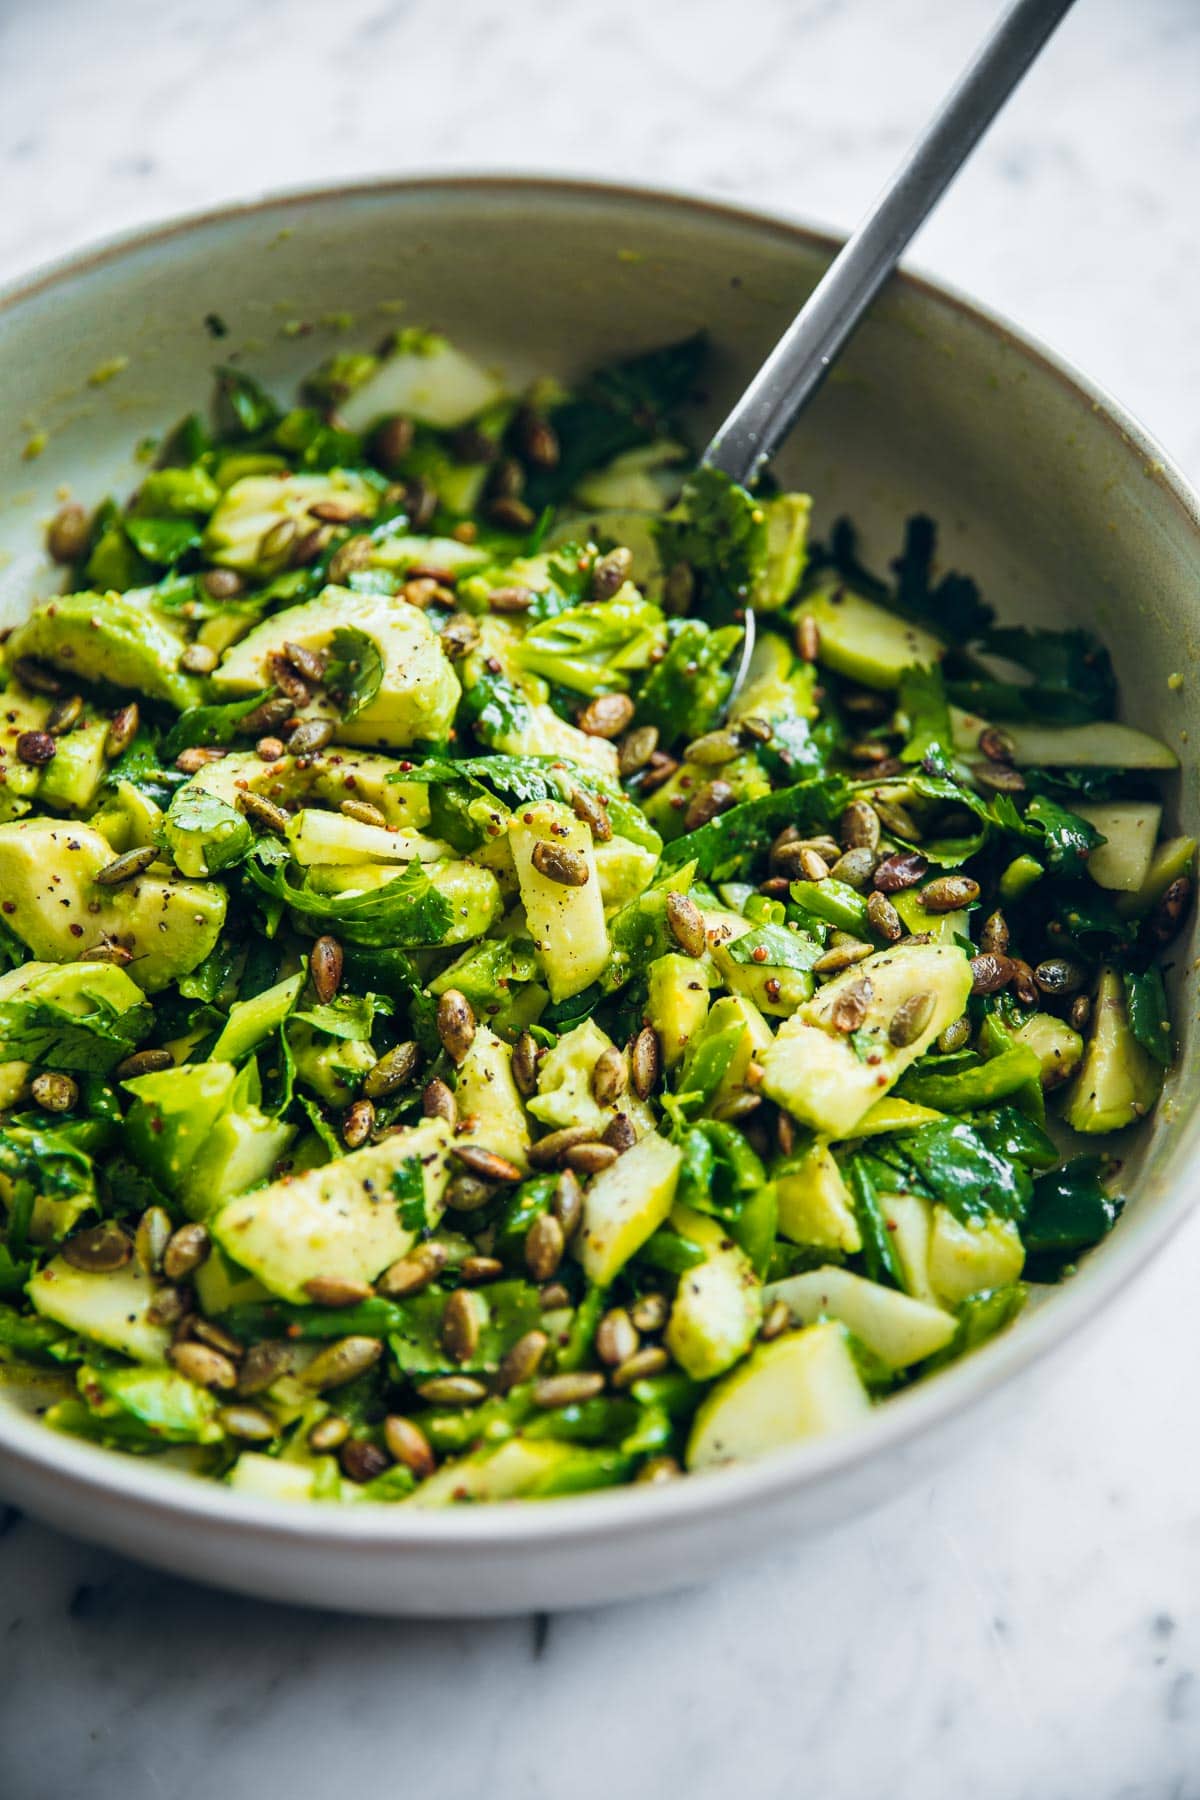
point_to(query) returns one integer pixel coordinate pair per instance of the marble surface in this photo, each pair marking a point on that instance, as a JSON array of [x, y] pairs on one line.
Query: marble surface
[[1026, 1628]]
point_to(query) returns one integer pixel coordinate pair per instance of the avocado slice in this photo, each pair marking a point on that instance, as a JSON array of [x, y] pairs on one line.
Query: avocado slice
[[864, 641], [676, 1002], [829, 1083], [119, 638], [487, 1095], [897, 1328], [718, 1304], [342, 1220], [967, 1257], [1130, 831], [200, 1132], [110, 1308], [71, 782], [1058, 1048], [1171, 859], [815, 1206], [1119, 1081], [328, 778], [1102, 744], [55, 906], [244, 532], [802, 1385], [625, 1204], [426, 378], [417, 691], [566, 922]]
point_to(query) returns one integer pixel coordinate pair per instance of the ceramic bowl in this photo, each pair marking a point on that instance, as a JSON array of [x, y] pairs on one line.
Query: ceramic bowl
[[1043, 489]]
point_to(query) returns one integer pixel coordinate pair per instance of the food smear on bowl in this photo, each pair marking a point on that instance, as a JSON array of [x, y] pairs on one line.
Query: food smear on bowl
[[460, 1043]]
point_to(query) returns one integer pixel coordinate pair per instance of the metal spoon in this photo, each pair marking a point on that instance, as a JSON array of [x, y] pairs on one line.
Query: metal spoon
[[805, 353]]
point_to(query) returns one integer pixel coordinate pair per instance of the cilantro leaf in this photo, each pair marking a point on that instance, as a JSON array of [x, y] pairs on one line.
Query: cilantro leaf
[[408, 1186], [355, 670], [406, 911]]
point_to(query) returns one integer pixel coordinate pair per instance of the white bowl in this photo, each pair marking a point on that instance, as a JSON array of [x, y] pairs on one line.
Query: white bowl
[[1044, 490]]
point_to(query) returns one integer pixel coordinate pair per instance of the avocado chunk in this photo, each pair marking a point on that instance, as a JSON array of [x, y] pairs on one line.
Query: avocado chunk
[[39, 1001], [201, 1134], [342, 1220], [625, 1204], [119, 638], [864, 641], [1130, 831], [318, 836], [1171, 859], [1057, 1047], [719, 1057], [815, 1206], [270, 1478], [676, 1002], [564, 1084], [899, 1329], [425, 378], [20, 711], [1119, 1081], [111, 1308], [802, 1385], [71, 782], [828, 1083], [487, 1094], [965, 1257], [249, 530], [565, 917], [718, 1304], [328, 778], [412, 701], [55, 906]]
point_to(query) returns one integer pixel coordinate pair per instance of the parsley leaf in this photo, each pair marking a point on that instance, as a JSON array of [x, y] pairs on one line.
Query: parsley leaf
[[408, 1186]]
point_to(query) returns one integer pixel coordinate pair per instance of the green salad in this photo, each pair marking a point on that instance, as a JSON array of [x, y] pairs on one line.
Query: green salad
[[464, 1032]]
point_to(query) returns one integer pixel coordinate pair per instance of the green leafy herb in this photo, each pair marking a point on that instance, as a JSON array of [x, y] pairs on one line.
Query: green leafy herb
[[354, 671], [407, 910], [1149, 1013], [408, 1186]]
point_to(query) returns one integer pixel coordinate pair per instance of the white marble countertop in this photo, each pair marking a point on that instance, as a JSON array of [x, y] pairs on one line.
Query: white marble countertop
[[1024, 1629]]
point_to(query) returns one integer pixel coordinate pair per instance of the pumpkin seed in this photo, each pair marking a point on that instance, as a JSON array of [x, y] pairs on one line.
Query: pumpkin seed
[[990, 971], [685, 922], [544, 1244], [808, 638], [842, 956], [203, 1365], [329, 1433], [475, 1270], [36, 748], [566, 1390], [358, 1122], [616, 1337], [1081, 1012], [168, 1305], [1023, 984], [659, 769], [999, 778], [993, 936], [337, 1290], [412, 1273], [459, 636], [521, 1361], [511, 514], [567, 1203], [590, 1159], [222, 584], [310, 736], [1171, 910], [902, 869], [394, 1070], [1059, 975], [910, 1019], [98, 1249], [390, 443], [325, 963], [619, 1134], [569, 868], [852, 1004], [36, 676], [209, 1332], [591, 810], [261, 811], [122, 729], [883, 918], [266, 717], [486, 1165], [64, 715], [361, 1461], [263, 1365], [645, 1061], [197, 757], [611, 571], [466, 1193], [127, 867], [636, 749], [856, 867], [610, 1076], [948, 893], [524, 1064], [151, 1238], [548, 1150], [247, 1422], [438, 1102], [714, 748], [775, 1323], [364, 813], [452, 1390], [607, 716], [651, 1360], [714, 798], [54, 1092], [198, 659], [956, 1036], [455, 1024], [650, 1313], [186, 1249], [341, 1361], [538, 440], [144, 1062], [409, 1446], [69, 533], [858, 827], [463, 1318], [996, 745]]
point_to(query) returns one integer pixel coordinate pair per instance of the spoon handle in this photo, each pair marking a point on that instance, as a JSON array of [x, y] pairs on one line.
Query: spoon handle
[[801, 359]]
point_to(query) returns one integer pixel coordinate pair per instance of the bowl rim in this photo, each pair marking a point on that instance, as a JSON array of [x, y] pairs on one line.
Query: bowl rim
[[179, 1497]]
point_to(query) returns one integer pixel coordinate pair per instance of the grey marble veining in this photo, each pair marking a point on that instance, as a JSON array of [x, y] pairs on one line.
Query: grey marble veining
[[1026, 1629]]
